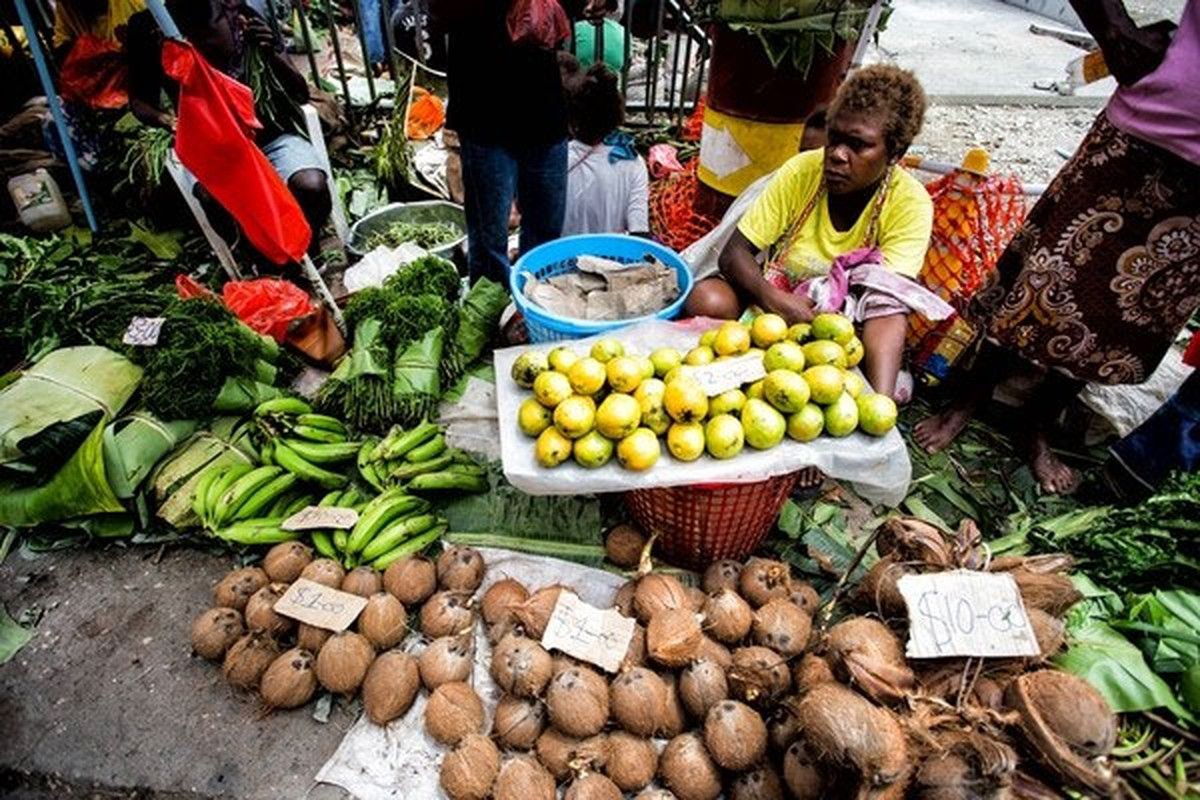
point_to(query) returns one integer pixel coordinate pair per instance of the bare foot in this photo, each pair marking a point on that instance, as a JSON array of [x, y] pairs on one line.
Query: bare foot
[[937, 432], [810, 478], [1054, 476]]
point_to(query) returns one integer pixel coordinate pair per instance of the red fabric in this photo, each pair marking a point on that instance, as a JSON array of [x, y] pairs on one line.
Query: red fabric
[[94, 73], [1192, 356], [214, 139], [267, 305], [541, 23], [189, 288]]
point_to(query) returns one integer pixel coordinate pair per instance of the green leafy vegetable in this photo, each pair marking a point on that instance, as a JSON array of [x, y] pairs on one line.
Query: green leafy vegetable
[[273, 104], [12, 636], [426, 235]]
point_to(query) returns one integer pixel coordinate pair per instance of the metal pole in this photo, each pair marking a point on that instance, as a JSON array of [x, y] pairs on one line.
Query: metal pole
[[337, 57], [687, 67], [389, 38], [362, 46], [628, 23], [652, 66], [60, 121], [868, 33], [598, 41], [298, 7], [671, 85]]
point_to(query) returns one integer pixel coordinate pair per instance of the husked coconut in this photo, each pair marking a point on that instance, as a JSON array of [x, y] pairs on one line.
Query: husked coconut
[[390, 687], [518, 722], [362, 581], [721, 575], [521, 666], [383, 621], [696, 598], [714, 651], [811, 670], [727, 617], [236, 588], [577, 700], [284, 562], [701, 686], [623, 601], [470, 769], [460, 569], [632, 761], [1048, 592], [624, 545], [324, 571], [865, 651], [290, 680], [446, 660], [1049, 632], [763, 580], [806, 597], [523, 778], [637, 699], [446, 614], [500, 599], [215, 631], [311, 638], [964, 766], [843, 731], [758, 674], [656, 794], [673, 636], [411, 580], [760, 783], [782, 626], [783, 725], [657, 592], [343, 662], [675, 718], [801, 774], [592, 786], [735, 735], [261, 615], [635, 654], [453, 711], [878, 591], [534, 614], [687, 769], [560, 754], [248, 658]]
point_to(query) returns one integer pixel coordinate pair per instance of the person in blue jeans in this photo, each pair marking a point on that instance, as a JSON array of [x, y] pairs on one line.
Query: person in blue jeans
[[507, 106]]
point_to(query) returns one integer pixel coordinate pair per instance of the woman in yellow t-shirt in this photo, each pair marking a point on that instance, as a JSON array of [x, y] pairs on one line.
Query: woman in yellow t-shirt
[[827, 203]]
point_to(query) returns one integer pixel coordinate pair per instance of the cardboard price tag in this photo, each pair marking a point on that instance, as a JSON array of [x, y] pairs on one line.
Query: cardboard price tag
[[143, 331], [317, 517], [966, 613], [316, 604], [598, 636], [718, 378]]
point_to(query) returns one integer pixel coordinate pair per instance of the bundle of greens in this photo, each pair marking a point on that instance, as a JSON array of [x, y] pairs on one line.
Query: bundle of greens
[[145, 157], [359, 390], [275, 107], [426, 235], [477, 320], [416, 387], [427, 275]]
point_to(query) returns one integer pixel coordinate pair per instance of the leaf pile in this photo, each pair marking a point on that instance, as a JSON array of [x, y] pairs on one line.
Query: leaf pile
[[426, 235]]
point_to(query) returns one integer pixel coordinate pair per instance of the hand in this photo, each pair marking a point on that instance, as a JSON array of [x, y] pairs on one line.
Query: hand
[[1135, 52], [792, 307], [258, 32]]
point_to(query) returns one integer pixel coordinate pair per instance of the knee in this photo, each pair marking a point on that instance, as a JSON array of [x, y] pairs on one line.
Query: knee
[[714, 298], [311, 189]]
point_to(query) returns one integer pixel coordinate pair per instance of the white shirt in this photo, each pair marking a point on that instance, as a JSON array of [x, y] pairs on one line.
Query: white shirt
[[604, 197]]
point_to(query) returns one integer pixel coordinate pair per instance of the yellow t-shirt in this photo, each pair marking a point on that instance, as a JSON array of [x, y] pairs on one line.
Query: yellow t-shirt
[[902, 233], [68, 24]]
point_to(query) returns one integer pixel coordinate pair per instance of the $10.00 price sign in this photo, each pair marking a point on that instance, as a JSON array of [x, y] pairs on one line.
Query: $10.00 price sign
[[966, 613]]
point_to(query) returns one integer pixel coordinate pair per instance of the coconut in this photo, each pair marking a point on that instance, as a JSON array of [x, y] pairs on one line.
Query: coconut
[[534, 613], [635, 654], [810, 671], [446, 660], [446, 614], [453, 711], [632, 761], [782, 626], [1053, 594], [577, 700], [763, 580], [521, 666], [710, 650], [688, 770], [673, 636], [460, 569], [801, 774], [362, 581], [878, 590], [523, 778], [236, 588], [390, 687], [561, 662], [285, 561], [727, 617], [656, 592], [518, 722], [624, 545], [701, 686], [470, 769], [675, 720], [343, 662], [248, 658], [499, 600], [866, 652], [805, 596], [290, 681], [592, 786], [383, 621], [735, 735], [215, 631], [1049, 632], [311, 638], [260, 611], [783, 725], [844, 731], [638, 698], [411, 580], [696, 598], [561, 754], [721, 575], [324, 571], [758, 674], [966, 765], [760, 783], [623, 600], [656, 794]]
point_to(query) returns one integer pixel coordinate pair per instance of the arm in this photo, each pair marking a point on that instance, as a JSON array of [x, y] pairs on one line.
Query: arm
[[637, 215], [259, 32], [743, 272], [143, 53], [1130, 52]]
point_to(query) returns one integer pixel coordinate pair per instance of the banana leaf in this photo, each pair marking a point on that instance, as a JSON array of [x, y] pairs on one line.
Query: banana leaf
[[358, 389], [416, 385], [173, 483], [47, 413], [78, 489], [480, 313], [134, 444], [243, 394], [1166, 624]]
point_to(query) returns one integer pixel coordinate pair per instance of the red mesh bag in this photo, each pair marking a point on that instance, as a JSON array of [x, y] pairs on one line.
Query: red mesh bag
[[673, 218]]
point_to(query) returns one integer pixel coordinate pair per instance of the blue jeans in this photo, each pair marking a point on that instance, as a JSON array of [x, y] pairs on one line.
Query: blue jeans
[[492, 176]]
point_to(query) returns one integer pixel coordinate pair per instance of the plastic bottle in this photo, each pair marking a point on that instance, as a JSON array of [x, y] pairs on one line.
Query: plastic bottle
[[1088, 68], [39, 202]]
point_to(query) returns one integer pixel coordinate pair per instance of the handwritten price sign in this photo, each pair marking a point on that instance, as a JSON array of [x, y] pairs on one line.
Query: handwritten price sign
[[598, 636], [966, 613], [720, 377], [316, 604]]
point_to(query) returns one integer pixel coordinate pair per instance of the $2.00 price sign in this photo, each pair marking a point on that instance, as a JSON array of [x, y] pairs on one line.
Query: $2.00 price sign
[[598, 636], [966, 613], [720, 377], [318, 605]]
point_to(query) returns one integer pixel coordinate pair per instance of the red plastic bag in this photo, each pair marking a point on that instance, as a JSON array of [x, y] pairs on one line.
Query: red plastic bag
[[267, 305], [189, 288], [94, 73], [1191, 356], [539, 23]]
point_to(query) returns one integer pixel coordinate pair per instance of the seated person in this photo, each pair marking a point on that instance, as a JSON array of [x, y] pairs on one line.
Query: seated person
[[220, 30], [607, 182], [827, 203]]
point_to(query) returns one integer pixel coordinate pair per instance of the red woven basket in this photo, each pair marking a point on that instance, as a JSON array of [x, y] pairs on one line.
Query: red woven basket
[[697, 525]]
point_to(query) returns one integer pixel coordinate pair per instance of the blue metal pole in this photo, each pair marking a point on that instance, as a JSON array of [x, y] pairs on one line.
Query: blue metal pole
[[163, 17], [60, 121]]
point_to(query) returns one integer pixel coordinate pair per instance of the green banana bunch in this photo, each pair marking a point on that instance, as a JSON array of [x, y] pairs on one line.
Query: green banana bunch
[[258, 531], [229, 502], [290, 460], [392, 506]]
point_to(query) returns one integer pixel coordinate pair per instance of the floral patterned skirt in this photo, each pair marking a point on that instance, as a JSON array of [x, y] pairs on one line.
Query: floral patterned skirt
[[1105, 270]]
